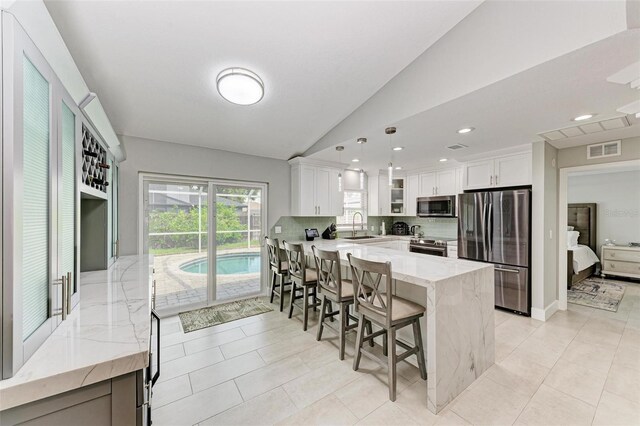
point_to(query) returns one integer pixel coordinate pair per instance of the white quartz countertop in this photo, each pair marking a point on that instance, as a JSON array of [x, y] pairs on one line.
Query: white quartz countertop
[[415, 268], [106, 335]]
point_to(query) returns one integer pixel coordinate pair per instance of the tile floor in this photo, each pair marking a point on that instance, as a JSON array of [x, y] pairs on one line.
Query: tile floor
[[581, 367]]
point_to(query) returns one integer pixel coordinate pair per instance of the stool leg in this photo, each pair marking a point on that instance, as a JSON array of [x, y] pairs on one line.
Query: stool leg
[[273, 285], [369, 329], [418, 339], [359, 342], [385, 349], [281, 292], [305, 307], [391, 359], [323, 310], [293, 298], [342, 324], [330, 310]]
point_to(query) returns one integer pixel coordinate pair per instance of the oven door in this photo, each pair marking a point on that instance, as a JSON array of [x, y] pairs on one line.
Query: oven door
[[432, 250], [444, 206]]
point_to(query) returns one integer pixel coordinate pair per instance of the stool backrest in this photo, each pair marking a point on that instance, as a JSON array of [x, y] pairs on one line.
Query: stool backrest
[[273, 249], [328, 270], [372, 287], [296, 258]]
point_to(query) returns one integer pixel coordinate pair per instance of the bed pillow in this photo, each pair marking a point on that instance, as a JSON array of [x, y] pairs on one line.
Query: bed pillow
[[572, 239]]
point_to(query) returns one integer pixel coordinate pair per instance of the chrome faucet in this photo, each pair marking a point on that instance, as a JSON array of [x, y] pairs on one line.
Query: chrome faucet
[[353, 223]]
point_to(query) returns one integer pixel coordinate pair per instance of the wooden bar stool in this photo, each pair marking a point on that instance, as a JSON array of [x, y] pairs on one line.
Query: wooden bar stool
[[387, 311], [279, 269], [304, 282], [333, 288]]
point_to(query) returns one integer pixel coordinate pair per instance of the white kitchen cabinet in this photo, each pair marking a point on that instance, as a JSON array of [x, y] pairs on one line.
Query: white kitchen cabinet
[[428, 184], [314, 189], [513, 170], [39, 206], [441, 182], [413, 192], [378, 195], [510, 170]]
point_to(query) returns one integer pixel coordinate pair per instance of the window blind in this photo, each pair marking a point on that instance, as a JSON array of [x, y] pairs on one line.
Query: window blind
[[35, 204], [67, 195]]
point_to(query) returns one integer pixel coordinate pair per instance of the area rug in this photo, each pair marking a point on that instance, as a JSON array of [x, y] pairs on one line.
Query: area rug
[[599, 293], [219, 314]]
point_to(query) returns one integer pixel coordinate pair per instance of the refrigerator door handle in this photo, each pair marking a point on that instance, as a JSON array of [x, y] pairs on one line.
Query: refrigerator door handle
[[484, 231], [490, 229], [511, 271]]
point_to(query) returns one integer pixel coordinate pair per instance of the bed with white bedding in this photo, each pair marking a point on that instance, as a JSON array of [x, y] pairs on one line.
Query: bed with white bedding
[[581, 242]]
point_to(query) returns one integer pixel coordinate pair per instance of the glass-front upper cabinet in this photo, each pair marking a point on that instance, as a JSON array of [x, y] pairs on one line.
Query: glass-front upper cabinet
[[39, 207]]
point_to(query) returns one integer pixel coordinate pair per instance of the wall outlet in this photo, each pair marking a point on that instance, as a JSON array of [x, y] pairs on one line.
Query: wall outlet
[[373, 228], [278, 229]]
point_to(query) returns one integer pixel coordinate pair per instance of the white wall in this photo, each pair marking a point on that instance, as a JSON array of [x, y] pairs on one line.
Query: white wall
[[618, 198], [144, 155]]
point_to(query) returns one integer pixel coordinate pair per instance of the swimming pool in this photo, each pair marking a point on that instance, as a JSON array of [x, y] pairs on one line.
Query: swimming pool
[[226, 264]]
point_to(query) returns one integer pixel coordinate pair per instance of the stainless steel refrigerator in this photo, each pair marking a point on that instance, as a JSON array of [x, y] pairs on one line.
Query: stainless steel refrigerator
[[495, 227]]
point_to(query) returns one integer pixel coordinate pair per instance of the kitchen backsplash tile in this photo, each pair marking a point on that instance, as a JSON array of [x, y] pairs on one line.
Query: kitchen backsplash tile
[[293, 226]]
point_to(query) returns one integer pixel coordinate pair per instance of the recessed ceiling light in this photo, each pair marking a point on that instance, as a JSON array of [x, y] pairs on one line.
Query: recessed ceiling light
[[443, 160], [466, 130], [355, 160], [398, 148], [362, 140], [398, 168], [240, 86], [583, 117]]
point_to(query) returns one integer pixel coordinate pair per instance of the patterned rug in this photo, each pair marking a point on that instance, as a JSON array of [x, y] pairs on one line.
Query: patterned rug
[[599, 293], [219, 314]]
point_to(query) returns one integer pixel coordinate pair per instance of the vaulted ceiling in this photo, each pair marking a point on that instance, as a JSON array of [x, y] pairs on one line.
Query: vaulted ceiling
[[153, 64]]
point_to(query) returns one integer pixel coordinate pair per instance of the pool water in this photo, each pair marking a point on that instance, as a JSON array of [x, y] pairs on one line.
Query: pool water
[[226, 264]]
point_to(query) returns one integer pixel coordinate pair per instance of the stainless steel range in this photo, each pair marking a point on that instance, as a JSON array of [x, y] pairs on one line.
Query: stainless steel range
[[428, 245]]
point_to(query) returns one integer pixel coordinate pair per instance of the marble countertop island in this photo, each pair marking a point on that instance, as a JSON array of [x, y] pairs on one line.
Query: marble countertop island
[[106, 335], [458, 326]]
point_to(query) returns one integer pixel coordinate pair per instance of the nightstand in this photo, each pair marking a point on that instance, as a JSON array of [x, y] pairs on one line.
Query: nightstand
[[622, 261]]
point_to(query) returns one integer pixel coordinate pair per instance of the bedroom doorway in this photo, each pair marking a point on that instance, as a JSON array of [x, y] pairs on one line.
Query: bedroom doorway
[[593, 200]]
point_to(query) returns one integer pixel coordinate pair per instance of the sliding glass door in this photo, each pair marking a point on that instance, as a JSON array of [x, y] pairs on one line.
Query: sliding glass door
[[238, 242], [206, 238]]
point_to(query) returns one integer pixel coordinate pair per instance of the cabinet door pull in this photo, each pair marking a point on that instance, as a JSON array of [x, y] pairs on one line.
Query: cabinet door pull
[[63, 310], [491, 180], [496, 179], [69, 292]]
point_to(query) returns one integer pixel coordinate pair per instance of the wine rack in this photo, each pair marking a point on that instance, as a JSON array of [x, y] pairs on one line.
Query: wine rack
[[94, 162]]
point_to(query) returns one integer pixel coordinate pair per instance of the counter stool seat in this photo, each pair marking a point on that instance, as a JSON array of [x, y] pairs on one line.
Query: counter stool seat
[[304, 282], [374, 301], [279, 270], [333, 288]]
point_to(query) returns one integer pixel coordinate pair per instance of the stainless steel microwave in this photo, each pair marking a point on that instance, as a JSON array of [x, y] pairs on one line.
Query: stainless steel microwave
[[439, 206]]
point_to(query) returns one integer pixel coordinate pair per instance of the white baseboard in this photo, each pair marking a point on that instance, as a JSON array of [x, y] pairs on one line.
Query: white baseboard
[[544, 314]]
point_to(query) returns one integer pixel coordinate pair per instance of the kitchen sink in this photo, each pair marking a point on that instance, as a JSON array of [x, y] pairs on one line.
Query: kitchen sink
[[360, 237]]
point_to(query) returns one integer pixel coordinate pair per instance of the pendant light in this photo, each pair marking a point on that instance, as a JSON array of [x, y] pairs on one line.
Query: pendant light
[[390, 131], [340, 148], [361, 141]]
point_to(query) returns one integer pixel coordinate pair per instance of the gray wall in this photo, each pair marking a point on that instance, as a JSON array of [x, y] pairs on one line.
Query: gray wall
[[144, 155], [544, 246], [618, 198], [577, 156]]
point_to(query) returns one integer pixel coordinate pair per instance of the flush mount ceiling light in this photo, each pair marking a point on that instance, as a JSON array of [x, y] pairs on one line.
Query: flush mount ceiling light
[[398, 148], [240, 86], [398, 168], [583, 117], [466, 130], [442, 160]]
